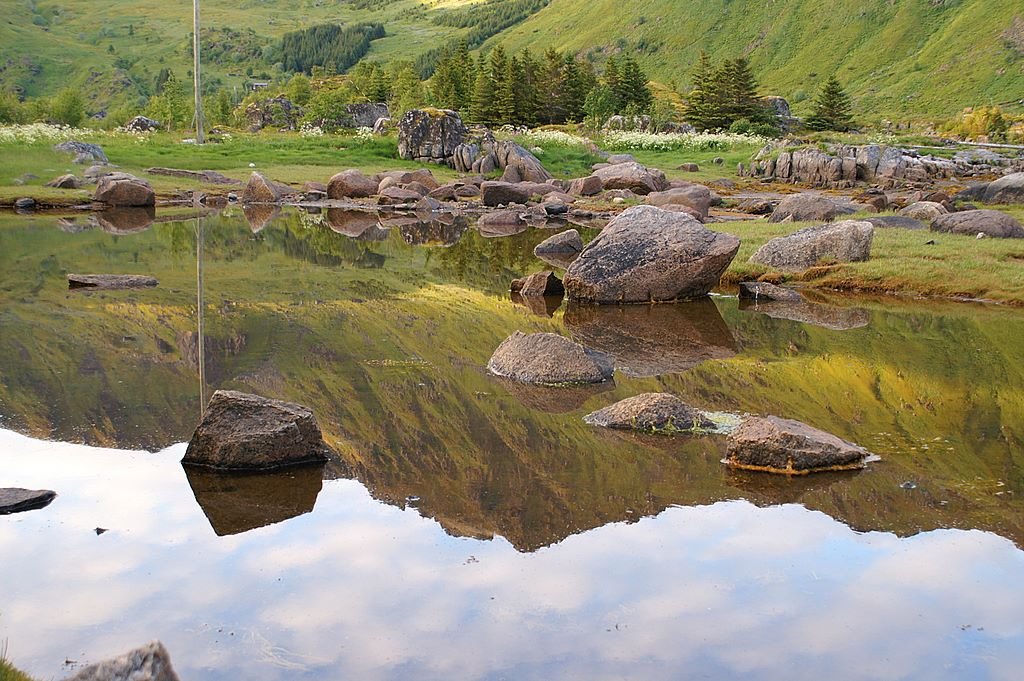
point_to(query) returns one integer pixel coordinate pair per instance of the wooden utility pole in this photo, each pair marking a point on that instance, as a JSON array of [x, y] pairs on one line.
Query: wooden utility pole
[[195, 72]]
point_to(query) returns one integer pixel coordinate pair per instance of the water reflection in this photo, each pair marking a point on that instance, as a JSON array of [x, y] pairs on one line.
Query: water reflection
[[125, 220], [807, 312], [650, 340], [259, 215], [357, 224], [239, 502], [363, 590]]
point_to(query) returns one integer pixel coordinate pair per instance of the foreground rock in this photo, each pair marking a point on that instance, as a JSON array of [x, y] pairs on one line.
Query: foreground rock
[[110, 281], [647, 254], [992, 223], [538, 284], [240, 431], [762, 290], [659, 412], [548, 359], [16, 499], [151, 662], [124, 190], [847, 241], [430, 135], [777, 445], [809, 208], [502, 193]]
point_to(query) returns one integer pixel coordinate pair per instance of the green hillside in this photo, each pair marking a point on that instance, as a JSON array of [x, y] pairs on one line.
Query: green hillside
[[898, 59]]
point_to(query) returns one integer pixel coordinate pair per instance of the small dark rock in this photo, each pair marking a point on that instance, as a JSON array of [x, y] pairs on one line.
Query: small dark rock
[[110, 281], [659, 412], [16, 499]]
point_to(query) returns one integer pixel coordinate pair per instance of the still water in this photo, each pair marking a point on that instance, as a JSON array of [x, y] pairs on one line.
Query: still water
[[470, 527]]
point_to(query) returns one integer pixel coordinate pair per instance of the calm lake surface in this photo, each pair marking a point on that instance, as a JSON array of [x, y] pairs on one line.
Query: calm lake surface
[[472, 528]]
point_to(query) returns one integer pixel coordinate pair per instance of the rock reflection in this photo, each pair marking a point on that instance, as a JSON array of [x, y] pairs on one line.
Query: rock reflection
[[807, 312], [357, 224], [259, 215], [125, 220], [553, 399], [443, 230], [650, 340], [542, 306], [238, 502]]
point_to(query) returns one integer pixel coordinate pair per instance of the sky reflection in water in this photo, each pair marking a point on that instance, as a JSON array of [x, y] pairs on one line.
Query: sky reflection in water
[[363, 590]]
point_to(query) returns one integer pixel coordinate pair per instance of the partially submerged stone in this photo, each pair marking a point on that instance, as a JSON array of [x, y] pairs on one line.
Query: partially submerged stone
[[647, 254], [17, 499], [538, 284], [846, 241], [549, 359], [564, 243], [659, 412], [110, 281], [240, 431], [150, 662], [777, 445], [762, 290]]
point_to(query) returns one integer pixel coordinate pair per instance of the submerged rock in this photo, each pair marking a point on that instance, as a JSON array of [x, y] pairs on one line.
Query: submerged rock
[[762, 290], [659, 412], [549, 359], [538, 284], [240, 431], [110, 281], [150, 662], [778, 445], [847, 241], [16, 499], [647, 254]]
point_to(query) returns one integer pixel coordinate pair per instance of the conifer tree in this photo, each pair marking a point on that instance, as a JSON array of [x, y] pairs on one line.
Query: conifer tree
[[739, 89], [508, 92], [612, 81], [526, 89], [552, 81], [831, 108], [702, 100], [633, 90], [481, 106], [578, 81]]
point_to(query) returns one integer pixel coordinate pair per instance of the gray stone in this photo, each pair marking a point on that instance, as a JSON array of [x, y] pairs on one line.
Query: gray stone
[[110, 281], [762, 290], [847, 241], [563, 243], [84, 151], [777, 445], [142, 124], [16, 499], [68, 181], [923, 210], [809, 208], [351, 184], [647, 254], [24, 203], [430, 135], [658, 412], [633, 176], [275, 112], [991, 223], [896, 222], [150, 662], [248, 432], [549, 359], [1007, 189]]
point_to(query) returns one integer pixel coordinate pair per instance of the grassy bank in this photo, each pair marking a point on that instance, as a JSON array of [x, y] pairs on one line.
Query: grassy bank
[[902, 262]]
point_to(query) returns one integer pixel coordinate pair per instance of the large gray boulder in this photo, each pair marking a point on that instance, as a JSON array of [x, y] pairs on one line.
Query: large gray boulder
[[658, 412], [695, 196], [17, 499], [1007, 189], [777, 445], [142, 124], [430, 135], [351, 184], [632, 176], [550, 359], [151, 662], [119, 190], [991, 223], [847, 241], [646, 254], [809, 208], [84, 152], [240, 431]]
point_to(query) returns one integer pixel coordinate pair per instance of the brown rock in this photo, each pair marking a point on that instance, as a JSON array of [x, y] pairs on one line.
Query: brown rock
[[261, 190], [778, 445], [586, 186], [695, 196], [502, 193], [538, 284], [659, 412], [248, 432], [351, 184], [550, 359], [809, 208], [632, 176], [124, 191], [762, 290]]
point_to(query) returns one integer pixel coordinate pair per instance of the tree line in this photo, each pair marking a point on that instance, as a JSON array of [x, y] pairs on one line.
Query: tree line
[[334, 47]]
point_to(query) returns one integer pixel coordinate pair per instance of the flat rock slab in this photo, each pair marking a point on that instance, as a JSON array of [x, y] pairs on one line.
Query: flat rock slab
[[657, 412], [16, 499], [846, 241], [150, 662], [549, 359], [240, 431], [110, 281], [777, 445]]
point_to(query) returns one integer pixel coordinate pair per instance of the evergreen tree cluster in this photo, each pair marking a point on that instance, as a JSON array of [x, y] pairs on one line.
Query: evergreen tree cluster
[[333, 47], [522, 89], [490, 17], [724, 94]]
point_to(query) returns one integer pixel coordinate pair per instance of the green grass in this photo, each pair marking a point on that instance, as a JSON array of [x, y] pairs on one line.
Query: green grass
[[955, 266]]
